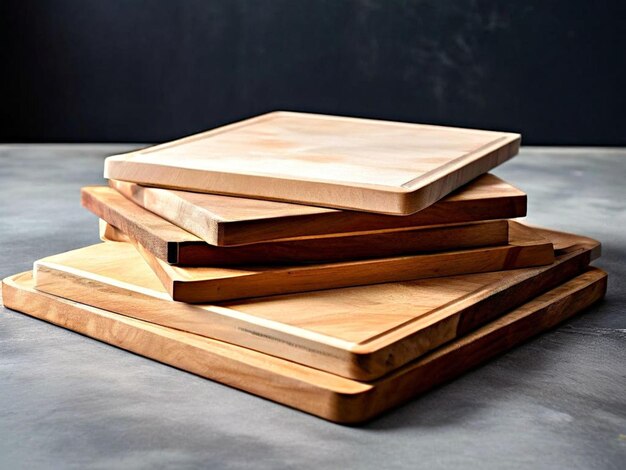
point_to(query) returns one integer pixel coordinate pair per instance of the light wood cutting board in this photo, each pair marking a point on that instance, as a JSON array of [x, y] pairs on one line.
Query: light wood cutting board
[[220, 283], [329, 161], [359, 332], [225, 221], [176, 246], [313, 391]]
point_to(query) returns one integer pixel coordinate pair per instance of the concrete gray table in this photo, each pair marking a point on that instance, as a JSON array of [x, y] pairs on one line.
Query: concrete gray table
[[67, 401]]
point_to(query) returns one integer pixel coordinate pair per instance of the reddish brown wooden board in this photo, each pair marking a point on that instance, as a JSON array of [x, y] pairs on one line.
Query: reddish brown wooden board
[[310, 390], [360, 332], [176, 246]]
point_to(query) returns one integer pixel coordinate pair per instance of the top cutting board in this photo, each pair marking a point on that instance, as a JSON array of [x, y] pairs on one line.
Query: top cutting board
[[329, 161]]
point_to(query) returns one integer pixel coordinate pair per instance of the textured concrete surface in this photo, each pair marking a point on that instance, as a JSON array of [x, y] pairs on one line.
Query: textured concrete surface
[[67, 401]]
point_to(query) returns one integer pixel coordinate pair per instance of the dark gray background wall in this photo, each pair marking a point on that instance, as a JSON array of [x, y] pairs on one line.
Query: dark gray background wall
[[152, 70]]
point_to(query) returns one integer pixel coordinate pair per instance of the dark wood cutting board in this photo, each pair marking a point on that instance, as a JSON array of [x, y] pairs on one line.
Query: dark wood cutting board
[[176, 246]]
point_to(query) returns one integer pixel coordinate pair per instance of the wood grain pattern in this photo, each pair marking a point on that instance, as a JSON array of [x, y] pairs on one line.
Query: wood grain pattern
[[225, 221], [359, 332], [174, 245], [211, 284], [220, 283], [329, 161], [313, 391]]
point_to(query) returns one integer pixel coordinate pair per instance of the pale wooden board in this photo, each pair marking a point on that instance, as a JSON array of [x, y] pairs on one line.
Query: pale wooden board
[[220, 283], [359, 332], [310, 390], [177, 246], [329, 161], [224, 220]]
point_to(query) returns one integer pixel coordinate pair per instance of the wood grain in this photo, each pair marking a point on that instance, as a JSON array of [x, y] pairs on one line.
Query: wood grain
[[220, 283], [359, 332], [176, 246], [225, 221], [313, 391], [211, 284], [329, 161]]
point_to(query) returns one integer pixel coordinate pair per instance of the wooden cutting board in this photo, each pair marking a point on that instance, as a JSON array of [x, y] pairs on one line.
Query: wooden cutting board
[[359, 332], [219, 283], [211, 284], [310, 390], [322, 250], [224, 220], [329, 161], [174, 245]]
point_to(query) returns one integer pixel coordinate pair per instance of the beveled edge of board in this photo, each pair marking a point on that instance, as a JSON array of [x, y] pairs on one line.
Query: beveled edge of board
[[340, 400], [408, 198]]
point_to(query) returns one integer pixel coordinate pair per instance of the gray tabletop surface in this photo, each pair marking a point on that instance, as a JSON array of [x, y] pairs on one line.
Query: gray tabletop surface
[[67, 401]]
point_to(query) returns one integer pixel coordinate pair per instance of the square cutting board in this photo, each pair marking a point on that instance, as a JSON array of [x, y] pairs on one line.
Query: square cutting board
[[220, 283], [214, 284], [359, 332], [329, 161], [313, 391], [176, 246], [225, 220]]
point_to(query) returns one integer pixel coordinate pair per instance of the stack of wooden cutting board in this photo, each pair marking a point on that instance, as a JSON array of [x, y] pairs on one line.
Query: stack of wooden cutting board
[[340, 266]]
